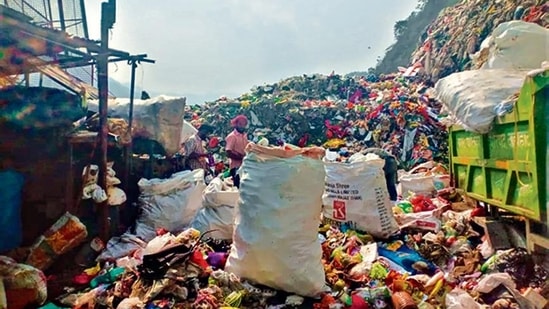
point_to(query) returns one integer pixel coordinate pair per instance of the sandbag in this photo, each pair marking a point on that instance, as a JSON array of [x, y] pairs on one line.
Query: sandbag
[[471, 97], [11, 231], [168, 203], [24, 285], [517, 45], [356, 194], [159, 118], [217, 212], [276, 222]]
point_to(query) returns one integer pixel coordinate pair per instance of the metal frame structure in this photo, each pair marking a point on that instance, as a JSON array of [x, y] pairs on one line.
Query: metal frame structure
[[27, 48], [54, 14]]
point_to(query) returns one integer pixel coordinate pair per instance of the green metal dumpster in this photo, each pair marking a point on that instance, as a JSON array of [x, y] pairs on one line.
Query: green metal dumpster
[[508, 167]]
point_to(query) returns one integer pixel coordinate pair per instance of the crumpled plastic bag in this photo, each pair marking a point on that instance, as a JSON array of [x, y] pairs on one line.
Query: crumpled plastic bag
[[88, 300], [492, 281], [459, 299], [131, 303], [99, 195], [159, 242], [217, 213], [116, 196], [118, 247]]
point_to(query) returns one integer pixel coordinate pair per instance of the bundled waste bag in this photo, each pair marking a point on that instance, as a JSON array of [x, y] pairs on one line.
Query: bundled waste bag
[[64, 235], [515, 45], [11, 233], [217, 213], [356, 194], [169, 203], [23, 286], [159, 118], [275, 239], [471, 97]]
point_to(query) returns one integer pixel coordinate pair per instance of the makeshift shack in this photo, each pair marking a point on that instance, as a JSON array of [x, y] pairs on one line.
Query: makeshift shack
[[34, 123]]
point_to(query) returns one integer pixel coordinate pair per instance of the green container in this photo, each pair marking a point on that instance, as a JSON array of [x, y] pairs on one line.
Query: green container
[[508, 167]]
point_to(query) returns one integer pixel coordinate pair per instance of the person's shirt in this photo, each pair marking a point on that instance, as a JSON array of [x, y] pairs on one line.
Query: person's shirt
[[236, 142], [194, 145]]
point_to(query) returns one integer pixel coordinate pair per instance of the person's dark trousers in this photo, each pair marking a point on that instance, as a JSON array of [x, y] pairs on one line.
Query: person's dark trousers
[[235, 176], [391, 175], [390, 179]]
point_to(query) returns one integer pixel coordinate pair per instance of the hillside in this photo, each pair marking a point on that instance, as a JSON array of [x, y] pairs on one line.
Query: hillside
[[408, 32]]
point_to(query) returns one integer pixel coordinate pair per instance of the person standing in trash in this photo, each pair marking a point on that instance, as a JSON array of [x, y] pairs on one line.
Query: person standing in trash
[[390, 169], [235, 145], [194, 151]]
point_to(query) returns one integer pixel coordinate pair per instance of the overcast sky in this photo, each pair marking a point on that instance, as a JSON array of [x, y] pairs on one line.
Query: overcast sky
[[208, 48]]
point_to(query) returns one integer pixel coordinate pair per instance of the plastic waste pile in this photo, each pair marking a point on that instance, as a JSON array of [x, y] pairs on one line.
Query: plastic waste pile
[[435, 252], [269, 244], [453, 267], [458, 32], [393, 112]]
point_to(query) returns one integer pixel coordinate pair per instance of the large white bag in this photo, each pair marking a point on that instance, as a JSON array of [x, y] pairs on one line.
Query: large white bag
[[169, 203], [217, 212], [356, 194], [516, 45], [159, 118], [471, 97], [275, 241]]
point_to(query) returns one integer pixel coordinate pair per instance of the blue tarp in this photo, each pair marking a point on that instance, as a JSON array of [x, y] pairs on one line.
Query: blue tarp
[[11, 230]]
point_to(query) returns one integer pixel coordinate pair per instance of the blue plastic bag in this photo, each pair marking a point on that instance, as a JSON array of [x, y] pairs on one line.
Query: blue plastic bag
[[405, 257], [11, 230]]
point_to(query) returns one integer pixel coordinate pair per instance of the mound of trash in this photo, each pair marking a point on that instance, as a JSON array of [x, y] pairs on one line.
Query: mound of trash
[[393, 112], [450, 41]]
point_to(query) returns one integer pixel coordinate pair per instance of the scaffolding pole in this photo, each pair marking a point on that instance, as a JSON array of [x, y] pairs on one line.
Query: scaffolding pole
[[108, 16], [134, 61]]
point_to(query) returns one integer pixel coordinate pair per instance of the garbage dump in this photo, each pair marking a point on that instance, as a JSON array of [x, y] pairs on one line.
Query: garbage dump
[[393, 112], [441, 256], [314, 222], [285, 254]]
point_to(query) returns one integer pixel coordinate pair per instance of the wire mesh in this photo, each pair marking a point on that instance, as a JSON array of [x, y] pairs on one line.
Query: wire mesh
[[52, 14]]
